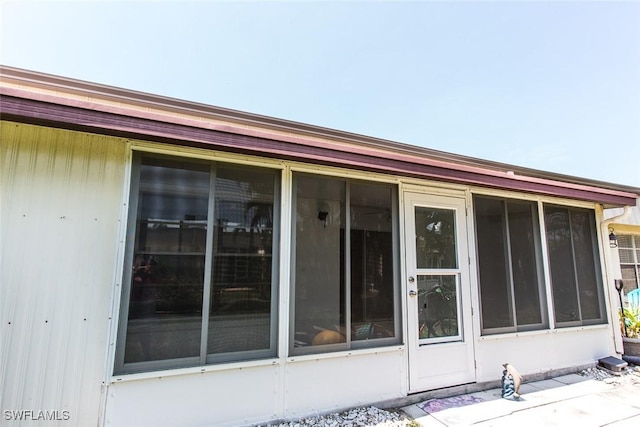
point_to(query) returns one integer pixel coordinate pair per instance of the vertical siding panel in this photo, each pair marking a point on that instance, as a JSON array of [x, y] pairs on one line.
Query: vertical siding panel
[[60, 204]]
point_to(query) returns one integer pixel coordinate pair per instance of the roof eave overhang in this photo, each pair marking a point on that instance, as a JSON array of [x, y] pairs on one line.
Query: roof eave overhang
[[309, 144]]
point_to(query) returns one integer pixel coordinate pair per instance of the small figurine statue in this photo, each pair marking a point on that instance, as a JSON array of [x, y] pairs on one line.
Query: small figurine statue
[[511, 381]]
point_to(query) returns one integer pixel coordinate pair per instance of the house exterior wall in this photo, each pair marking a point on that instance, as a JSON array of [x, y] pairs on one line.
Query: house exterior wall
[[64, 215], [542, 351], [61, 210]]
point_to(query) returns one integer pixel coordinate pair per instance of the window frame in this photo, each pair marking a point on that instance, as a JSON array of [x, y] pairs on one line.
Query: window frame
[[597, 263], [204, 358], [539, 266], [349, 344], [541, 201], [635, 248]]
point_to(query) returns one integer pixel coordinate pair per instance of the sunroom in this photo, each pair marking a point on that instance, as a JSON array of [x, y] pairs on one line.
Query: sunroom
[[215, 257]]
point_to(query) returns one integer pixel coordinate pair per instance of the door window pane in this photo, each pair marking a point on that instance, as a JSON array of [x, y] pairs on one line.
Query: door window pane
[[437, 306], [435, 238]]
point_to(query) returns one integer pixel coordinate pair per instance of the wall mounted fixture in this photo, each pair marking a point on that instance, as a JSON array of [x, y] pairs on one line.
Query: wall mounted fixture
[[322, 216], [613, 239]]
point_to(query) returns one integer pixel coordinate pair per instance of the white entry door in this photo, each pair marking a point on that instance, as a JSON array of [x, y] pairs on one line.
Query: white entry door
[[438, 292]]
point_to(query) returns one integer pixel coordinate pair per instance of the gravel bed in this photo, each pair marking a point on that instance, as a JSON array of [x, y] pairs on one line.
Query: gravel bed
[[369, 416], [629, 375]]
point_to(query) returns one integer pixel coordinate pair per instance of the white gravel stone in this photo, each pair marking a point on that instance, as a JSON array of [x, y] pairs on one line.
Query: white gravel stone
[[361, 417]]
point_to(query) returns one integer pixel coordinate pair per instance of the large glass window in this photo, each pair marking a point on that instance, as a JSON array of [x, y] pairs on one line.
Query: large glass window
[[574, 265], [509, 261], [344, 265], [200, 265]]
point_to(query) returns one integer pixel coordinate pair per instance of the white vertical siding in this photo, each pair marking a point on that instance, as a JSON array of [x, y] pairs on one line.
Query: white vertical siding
[[61, 193]]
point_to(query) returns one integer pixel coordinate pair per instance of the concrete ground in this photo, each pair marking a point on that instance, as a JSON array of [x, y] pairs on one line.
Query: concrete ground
[[568, 400]]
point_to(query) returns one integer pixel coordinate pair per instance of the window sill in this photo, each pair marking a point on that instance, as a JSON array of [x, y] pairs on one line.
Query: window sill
[[115, 379], [345, 353], [192, 370], [513, 335]]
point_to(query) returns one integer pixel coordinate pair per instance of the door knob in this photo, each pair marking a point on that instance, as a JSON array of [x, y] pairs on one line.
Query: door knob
[[411, 279], [412, 293]]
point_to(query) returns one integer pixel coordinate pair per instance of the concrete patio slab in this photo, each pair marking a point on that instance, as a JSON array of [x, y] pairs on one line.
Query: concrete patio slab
[[585, 411]]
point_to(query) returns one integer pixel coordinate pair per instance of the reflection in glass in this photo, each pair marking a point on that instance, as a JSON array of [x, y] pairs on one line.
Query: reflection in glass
[[319, 252], [372, 292], [437, 306], [240, 310], [435, 238], [168, 266], [343, 275]]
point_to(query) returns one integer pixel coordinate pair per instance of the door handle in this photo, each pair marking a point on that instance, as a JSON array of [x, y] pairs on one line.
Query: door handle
[[411, 279], [412, 293]]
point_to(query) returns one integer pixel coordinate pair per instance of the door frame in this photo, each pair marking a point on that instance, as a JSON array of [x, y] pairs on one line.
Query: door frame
[[464, 239]]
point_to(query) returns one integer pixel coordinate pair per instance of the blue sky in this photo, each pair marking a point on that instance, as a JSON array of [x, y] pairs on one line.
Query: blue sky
[[546, 85]]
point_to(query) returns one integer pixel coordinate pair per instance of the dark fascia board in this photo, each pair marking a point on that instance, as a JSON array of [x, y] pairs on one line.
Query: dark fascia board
[[36, 113]]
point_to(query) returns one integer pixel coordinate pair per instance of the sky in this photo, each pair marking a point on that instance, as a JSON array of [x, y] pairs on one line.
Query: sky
[[546, 85]]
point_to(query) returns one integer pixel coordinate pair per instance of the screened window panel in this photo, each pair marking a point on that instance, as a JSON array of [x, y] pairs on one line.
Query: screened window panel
[[241, 287], [192, 217], [165, 303], [524, 270], [509, 263], [561, 264], [585, 258], [573, 262], [372, 276], [319, 253], [344, 279], [495, 289]]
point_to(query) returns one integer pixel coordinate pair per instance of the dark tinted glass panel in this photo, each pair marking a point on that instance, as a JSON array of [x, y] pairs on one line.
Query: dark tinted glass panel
[[319, 305], [582, 225], [558, 227], [575, 270], [372, 277], [168, 270], [493, 263], [524, 271]]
